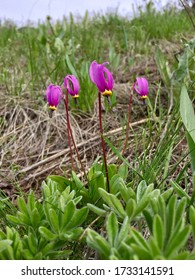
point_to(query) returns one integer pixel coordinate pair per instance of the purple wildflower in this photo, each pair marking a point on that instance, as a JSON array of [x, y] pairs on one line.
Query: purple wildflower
[[72, 85], [141, 87], [101, 77], [53, 96]]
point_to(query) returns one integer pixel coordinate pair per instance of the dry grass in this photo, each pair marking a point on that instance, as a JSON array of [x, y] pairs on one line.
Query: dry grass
[[34, 145]]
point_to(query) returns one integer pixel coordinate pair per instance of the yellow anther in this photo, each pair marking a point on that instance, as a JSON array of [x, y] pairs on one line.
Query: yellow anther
[[52, 108], [144, 96], [75, 96], [107, 93]]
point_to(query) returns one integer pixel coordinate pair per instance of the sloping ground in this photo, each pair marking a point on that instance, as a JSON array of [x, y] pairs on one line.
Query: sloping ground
[[34, 145]]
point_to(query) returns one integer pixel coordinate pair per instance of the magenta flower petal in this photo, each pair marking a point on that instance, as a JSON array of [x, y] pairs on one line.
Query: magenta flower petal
[[72, 85], [101, 77], [53, 96], [141, 87]]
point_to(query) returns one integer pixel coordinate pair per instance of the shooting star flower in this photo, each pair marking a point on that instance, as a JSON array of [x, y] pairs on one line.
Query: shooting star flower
[[53, 96], [72, 85], [141, 87], [101, 77]]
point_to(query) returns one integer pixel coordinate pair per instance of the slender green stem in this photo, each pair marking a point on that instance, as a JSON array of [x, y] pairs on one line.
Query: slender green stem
[[128, 122], [102, 141], [68, 130]]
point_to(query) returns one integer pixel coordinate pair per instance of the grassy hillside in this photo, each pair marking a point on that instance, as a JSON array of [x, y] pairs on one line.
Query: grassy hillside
[[151, 199]]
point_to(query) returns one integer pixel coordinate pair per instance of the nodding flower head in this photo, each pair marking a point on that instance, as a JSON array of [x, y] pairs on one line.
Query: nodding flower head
[[71, 84], [141, 87], [53, 96], [101, 77]]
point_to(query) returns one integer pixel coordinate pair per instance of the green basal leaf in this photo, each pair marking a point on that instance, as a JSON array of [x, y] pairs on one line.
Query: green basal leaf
[[61, 181], [53, 219], [118, 207], [162, 209], [139, 239], [131, 193], [112, 228], [167, 194], [66, 217], [67, 196], [180, 191], [141, 190], [140, 253], [13, 219], [182, 256], [49, 248], [97, 181], [4, 244], [124, 230], [149, 219], [114, 255], [31, 201], [123, 191], [78, 218], [188, 118], [158, 231], [150, 190], [177, 242], [114, 183], [182, 70], [171, 215], [78, 182], [155, 194], [154, 248], [180, 212], [64, 254], [123, 171], [112, 170], [95, 167], [28, 255], [23, 218], [22, 206], [2, 235], [31, 242], [96, 210], [191, 147], [187, 112], [130, 208], [142, 204], [35, 218], [47, 234], [71, 235], [192, 220], [113, 202], [97, 242]]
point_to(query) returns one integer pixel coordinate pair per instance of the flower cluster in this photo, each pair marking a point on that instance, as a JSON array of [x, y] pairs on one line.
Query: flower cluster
[[100, 76]]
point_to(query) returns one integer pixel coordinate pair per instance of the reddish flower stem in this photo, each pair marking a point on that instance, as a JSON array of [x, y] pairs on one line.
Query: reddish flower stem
[[128, 122], [70, 133], [102, 141], [68, 130]]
